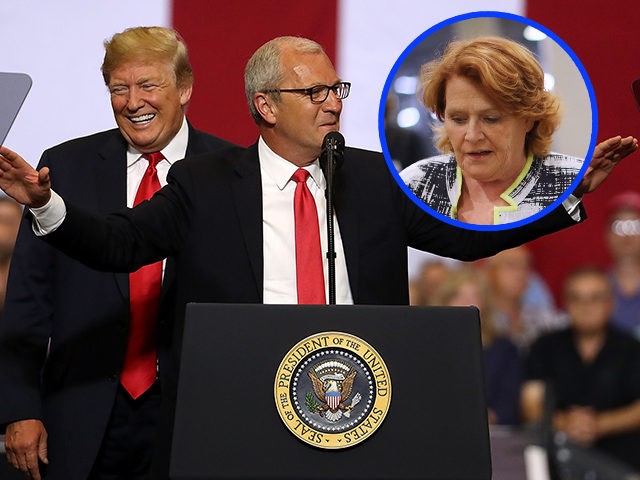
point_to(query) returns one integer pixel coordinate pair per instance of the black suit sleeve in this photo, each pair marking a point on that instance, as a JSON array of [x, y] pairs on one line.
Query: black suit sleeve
[[126, 240], [427, 233]]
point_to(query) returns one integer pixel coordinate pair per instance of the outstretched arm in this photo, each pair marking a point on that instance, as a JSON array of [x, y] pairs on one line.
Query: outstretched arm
[[606, 156], [21, 181], [121, 242]]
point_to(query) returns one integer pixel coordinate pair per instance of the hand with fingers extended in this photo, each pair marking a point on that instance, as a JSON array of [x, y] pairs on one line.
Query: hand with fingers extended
[[606, 156], [21, 181], [26, 443]]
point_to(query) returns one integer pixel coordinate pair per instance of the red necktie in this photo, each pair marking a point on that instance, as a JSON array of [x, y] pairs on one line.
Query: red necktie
[[139, 371], [309, 275]]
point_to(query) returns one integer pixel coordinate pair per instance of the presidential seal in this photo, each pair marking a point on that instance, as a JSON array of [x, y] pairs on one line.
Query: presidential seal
[[332, 390]]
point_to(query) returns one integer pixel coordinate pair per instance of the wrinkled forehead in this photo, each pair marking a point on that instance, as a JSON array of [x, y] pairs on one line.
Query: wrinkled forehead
[[141, 68]]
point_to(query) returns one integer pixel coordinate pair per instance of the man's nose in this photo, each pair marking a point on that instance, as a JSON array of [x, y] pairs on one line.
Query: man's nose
[[332, 103], [135, 100]]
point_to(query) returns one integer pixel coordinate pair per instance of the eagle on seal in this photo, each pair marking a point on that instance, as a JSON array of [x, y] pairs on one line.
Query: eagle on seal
[[332, 394]]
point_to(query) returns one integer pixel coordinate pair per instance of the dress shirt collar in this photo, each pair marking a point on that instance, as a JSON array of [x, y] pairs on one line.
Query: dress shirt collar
[[176, 150], [280, 170]]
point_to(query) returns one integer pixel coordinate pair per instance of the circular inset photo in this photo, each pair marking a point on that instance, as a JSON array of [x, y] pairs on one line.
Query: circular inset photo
[[487, 121]]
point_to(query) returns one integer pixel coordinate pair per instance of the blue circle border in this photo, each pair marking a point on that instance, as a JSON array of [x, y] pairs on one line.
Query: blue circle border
[[383, 141]]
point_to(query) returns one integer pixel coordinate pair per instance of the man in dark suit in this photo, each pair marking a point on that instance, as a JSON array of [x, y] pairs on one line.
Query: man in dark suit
[[94, 426], [229, 219]]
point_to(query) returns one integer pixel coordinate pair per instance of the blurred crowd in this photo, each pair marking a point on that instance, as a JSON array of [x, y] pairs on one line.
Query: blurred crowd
[[576, 364]]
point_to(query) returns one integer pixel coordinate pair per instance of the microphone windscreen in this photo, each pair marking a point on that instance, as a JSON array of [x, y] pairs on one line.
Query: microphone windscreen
[[333, 141]]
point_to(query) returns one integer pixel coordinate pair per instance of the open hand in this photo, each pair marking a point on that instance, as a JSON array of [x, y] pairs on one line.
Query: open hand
[[21, 181], [606, 156]]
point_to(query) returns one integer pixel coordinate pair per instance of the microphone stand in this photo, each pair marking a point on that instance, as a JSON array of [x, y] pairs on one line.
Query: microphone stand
[[331, 247], [331, 155]]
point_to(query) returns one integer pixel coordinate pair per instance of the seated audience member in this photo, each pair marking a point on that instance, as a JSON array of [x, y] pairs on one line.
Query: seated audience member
[[623, 240], [511, 276], [430, 276], [503, 372], [593, 370], [10, 215]]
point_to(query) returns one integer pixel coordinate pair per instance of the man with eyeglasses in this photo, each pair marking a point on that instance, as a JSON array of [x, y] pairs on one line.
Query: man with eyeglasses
[[247, 225]]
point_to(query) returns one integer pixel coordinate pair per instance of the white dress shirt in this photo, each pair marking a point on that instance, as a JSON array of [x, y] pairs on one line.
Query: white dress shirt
[[137, 164], [278, 229]]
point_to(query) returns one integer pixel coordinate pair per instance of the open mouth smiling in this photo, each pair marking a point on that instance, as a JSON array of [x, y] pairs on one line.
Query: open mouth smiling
[[140, 119]]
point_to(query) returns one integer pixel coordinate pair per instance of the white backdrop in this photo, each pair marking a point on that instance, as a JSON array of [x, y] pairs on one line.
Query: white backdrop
[[60, 45]]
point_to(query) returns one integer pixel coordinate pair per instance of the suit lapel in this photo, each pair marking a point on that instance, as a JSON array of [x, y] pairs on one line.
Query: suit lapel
[[247, 197], [194, 145], [111, 174], [111, 185]]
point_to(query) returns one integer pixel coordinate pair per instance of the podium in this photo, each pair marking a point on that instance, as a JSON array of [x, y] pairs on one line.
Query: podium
[[227, 423]]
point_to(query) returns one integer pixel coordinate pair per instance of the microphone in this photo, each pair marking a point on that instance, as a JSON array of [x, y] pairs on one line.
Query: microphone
[[332, 149], [331, 158]]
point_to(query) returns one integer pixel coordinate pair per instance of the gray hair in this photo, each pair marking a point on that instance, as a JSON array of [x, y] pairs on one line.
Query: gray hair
[[264, 68]]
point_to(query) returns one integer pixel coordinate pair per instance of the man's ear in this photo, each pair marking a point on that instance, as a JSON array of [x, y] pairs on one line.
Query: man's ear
[[185, 94], [266, 107]]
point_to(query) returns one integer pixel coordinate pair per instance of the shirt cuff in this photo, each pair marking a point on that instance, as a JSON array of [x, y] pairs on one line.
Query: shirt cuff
[[49, 217], [572, 206]]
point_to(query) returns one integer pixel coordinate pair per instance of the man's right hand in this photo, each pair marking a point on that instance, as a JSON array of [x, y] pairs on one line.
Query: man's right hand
[[26, 442], [21, 181]]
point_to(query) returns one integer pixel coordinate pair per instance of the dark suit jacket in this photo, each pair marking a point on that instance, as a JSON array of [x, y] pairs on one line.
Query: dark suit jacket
[[209, 219], [84, 311]]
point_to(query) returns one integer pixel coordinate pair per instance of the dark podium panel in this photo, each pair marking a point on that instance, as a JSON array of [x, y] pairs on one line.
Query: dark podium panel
[[227, 425]]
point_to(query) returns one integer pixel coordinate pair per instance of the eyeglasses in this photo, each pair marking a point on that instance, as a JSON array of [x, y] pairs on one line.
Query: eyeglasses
[[319, 93]]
